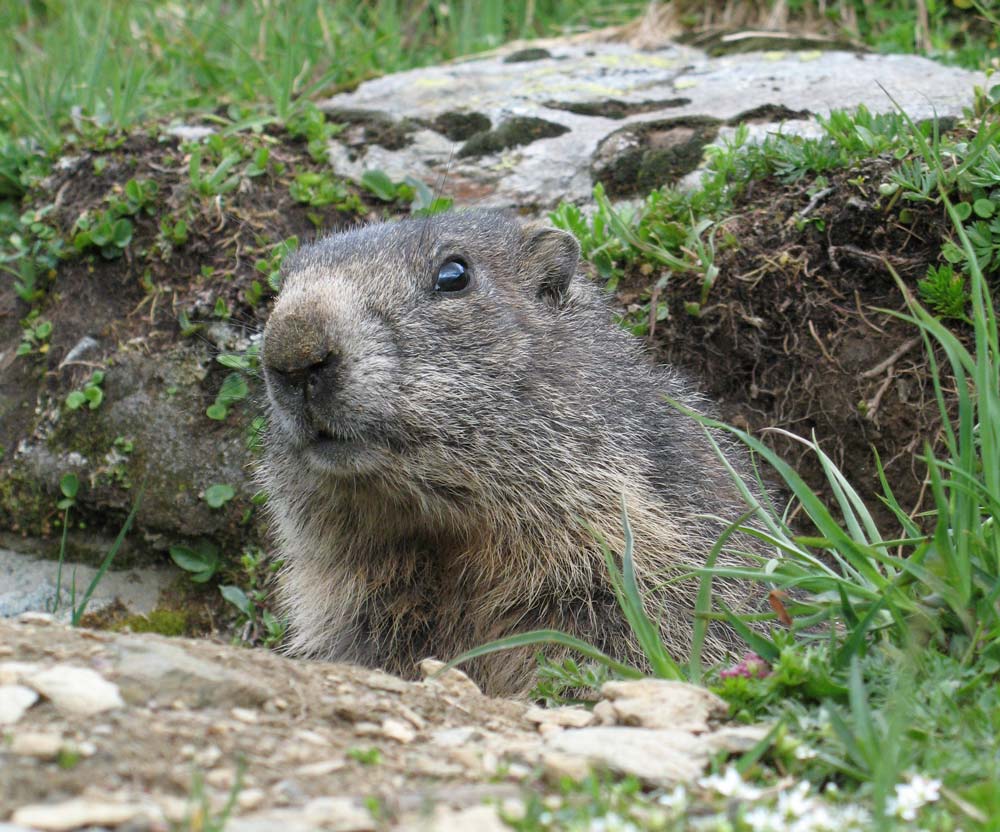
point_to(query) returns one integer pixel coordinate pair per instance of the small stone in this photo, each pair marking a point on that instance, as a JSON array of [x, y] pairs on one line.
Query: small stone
[[737, 739], [453, 679], [321, 768], [221, 778], [14, 702], [455, 737], [76, 690], [189, 132], [480, 818], [558, 766], [338, 814], [41, 744], [39, 619], [399, 731], [383, 681], [412, 717], [567, 717], [247, 715], [658, 703], [546, 729], [72, 814], [249, 799], [13, 673], [657, 757]]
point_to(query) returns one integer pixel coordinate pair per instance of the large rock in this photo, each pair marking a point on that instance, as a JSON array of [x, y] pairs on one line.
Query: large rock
[[530, 128]]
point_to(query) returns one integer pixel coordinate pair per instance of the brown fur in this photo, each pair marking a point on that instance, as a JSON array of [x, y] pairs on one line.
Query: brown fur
[[468, 439]]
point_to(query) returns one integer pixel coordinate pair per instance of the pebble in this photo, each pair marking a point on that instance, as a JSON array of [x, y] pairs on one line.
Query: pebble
[[479, 818], [12, 673], [453, 680], [657, 757], [72, 814], [44, 745], [658, 703], [398, 730], [321, 768], [566, 717], [338, 814], [39, 619], [76, 690], [14, 702]]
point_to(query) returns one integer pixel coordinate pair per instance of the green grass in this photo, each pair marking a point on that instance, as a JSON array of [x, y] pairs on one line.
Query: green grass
[[120, 64]]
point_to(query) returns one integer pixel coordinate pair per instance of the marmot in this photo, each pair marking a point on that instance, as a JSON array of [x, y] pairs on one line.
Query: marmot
[[451, 406]]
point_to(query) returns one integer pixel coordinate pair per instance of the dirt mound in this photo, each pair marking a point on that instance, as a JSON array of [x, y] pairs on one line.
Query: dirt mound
[[798, 331]]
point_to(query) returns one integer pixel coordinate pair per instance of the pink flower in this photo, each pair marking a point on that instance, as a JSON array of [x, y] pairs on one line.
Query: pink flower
[[752, 667]]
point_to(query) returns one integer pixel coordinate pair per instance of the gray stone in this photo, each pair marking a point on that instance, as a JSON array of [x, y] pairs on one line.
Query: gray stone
[[606, 102], [150, 669], [28, 584], [76, 813], [657, 757]]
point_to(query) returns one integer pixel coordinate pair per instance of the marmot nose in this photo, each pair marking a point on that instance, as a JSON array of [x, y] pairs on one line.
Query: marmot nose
[[297, 352], [294, 342]]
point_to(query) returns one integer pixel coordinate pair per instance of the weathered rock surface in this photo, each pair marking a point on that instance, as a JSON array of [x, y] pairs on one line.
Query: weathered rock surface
[[658, 703], [303, 745], [28, 584], [530, 129]]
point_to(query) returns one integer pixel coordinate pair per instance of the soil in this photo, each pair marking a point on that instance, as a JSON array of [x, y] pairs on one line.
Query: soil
[[800, 331], [287, 731]]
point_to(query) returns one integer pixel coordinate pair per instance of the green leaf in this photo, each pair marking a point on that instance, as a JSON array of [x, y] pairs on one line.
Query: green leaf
[[235, 361], [983, 207], [76, 400], [188, 559], [69, 484], [121, 233], [219, 494], [964, 210], [234, 389], [43, 330], [237, 597], [379, 183], [217, 411], [94, 395]]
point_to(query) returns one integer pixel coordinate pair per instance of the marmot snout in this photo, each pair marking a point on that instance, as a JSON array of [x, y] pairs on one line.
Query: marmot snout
[[451, 406]]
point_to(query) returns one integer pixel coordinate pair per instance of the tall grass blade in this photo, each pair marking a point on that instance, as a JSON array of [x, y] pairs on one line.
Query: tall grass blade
[[78, 611]]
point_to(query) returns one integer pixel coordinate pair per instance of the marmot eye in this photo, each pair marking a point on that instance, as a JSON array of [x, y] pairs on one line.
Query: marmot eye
[[453, 276]]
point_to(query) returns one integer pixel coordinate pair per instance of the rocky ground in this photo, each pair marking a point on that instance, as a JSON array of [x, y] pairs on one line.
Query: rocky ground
[[141, 732]]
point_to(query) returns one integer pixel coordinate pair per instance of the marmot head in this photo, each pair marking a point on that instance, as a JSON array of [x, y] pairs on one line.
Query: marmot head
[[414, 344]]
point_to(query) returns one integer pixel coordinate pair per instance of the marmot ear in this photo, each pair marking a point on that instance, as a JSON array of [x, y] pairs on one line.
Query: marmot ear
[[550, 260]]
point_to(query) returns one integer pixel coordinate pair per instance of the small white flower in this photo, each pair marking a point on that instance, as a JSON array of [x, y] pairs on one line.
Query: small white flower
[[913, 796], [855, 817], [760, 819], [795, 803], [730, 784], [804, 752], [677, 799]]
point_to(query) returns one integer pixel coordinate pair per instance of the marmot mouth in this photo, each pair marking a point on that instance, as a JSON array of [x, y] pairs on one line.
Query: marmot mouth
[[325, 435]]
